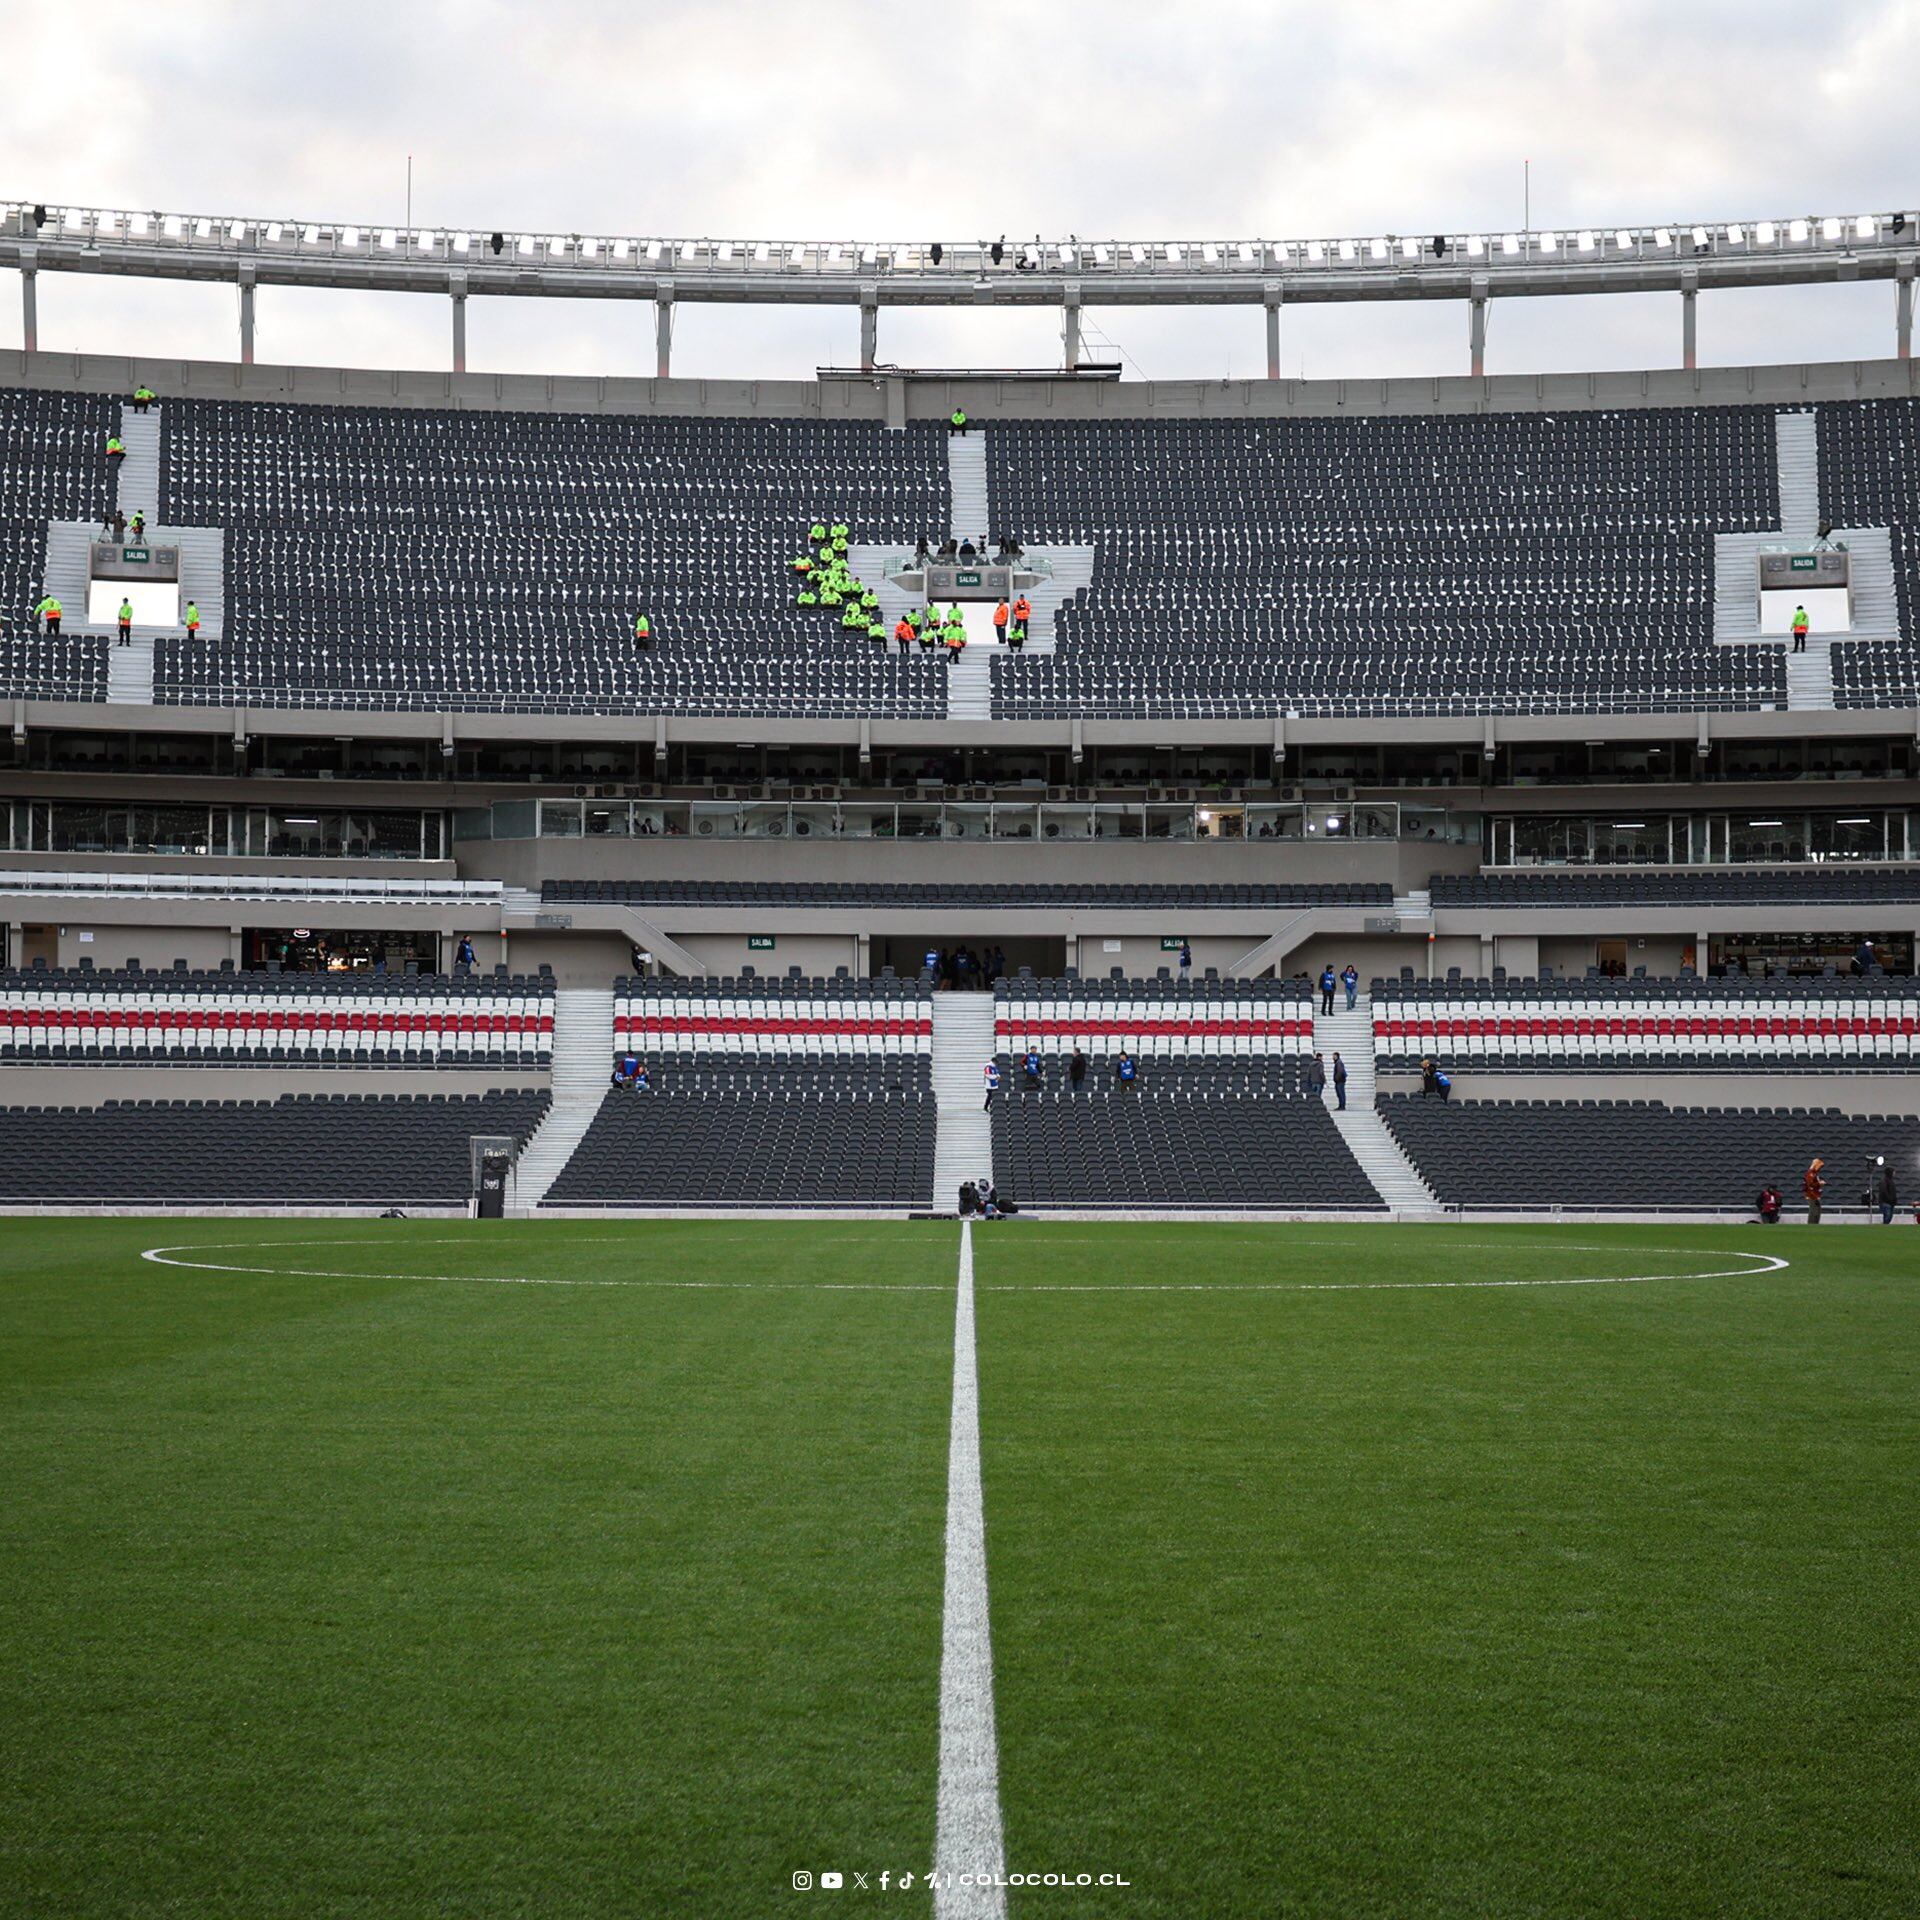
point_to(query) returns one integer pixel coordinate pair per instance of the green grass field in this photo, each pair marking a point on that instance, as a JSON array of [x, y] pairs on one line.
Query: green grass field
[[597, 1569]]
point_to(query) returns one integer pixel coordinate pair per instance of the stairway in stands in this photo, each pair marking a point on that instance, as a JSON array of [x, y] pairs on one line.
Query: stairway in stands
[[962, 1045], [139, 489], [582, 1066], [1796, 458], [967, 482], [1395, 1178]]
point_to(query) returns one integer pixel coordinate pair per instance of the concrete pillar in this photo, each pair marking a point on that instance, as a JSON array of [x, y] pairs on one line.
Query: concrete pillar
[[29, 301], [457, 288], [869, 327], [1689, 324], [1272, 296], [246, 316], [1700, 953], [1070, 328], [663, 329], [1903, 270], [1477, 328]]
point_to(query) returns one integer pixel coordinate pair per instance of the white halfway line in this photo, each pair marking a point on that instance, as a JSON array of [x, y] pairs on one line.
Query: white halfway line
[[969, 1847]]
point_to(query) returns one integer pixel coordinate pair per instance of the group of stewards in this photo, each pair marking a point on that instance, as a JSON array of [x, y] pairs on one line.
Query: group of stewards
[[1010, 622], [827, 581], [47, 614], [930, 630]]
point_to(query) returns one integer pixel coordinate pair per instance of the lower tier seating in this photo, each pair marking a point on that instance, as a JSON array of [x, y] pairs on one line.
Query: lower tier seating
[[971, 893], [1173, 1142], [756, 1140], [1638, 1155], [302, 1150]]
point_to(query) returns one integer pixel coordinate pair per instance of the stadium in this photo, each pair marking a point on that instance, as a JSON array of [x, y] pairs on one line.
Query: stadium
[[966, 1138]]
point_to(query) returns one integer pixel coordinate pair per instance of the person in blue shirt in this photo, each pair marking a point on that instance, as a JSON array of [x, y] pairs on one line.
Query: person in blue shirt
[[1351, 981], [1126, 1070], [992, 1077], [1030, 1066], [1186, 958], [1327, 984]]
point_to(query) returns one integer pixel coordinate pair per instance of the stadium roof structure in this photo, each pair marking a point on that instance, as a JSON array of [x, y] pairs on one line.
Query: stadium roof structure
[[1685, 257]]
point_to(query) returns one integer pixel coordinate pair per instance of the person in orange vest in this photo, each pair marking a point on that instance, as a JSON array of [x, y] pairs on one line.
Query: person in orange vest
[[956, 639], [903, 634], [1022, 613], [1000, 621], [1800, 624]]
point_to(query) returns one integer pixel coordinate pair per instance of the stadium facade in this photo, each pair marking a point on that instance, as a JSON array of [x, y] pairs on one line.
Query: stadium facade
[[1484, 686]]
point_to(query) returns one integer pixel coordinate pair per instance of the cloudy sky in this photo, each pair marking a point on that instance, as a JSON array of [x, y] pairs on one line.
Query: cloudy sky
[[841, 118]]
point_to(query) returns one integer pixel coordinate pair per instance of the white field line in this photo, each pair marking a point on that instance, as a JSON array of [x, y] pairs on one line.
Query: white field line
[[162, 1257], [1762, 1263], [969, 1847]]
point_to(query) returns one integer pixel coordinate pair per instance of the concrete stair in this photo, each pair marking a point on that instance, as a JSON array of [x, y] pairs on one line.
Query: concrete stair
[[1810, 675], [1796, 453], [967, 481], [139, 489], [67, 572], [1395, 1178], [1069, 570], [1415, 905], [970, 682], [962, 1046], [582, 1066], [130, 670]]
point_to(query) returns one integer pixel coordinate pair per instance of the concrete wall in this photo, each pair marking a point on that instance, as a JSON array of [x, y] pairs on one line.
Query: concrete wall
[[94, 1086], [585, 959], [1143, 956], [817, 955], [974, 862], [153, 946], [986, 398]]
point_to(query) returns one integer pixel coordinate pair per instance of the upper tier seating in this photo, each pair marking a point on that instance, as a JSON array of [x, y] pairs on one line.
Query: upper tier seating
[[1648, 1026], [789, 1094], [1831, 884], [971, 893], [53, 466], [1508, 563], [1603, 1155], [258, 1019], [1870, 477], [496, 561], [385, 1150], [1219, 1116]]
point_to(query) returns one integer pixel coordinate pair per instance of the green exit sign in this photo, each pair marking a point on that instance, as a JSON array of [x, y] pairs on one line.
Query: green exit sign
[[1805, 563], [966, 579], [759, 943], [1171, 945], [140, 555]]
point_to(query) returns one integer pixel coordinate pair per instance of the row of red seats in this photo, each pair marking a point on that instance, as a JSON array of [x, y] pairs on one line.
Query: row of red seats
[[725, 1023], [211, 1019], [1141, 1029], [1705, 1026]]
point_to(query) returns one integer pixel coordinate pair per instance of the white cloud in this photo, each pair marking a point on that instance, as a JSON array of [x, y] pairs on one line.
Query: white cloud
[[857, 118]]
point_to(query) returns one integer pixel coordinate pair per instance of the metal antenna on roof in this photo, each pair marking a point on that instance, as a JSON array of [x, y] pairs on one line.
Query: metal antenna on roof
[[409, 241]]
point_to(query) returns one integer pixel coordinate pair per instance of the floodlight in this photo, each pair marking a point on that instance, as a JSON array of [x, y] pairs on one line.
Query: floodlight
[[1476, 246], [1210, 254], [1662, 237], [1346, 250], [1865, 227], [1623, 240], [1798, 231], [1377, 248], [1139, 255], [1510, 244], [1737, 234], [1829, 229], [1764, 234]]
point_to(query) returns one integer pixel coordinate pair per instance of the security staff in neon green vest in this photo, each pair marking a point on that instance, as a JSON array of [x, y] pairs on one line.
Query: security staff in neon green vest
[[126, 622], [40, 607], [52, 609], [817, 533], [855, 616], [116, 447], [193, 619], [642, 631], [143, 398], [957, 420]]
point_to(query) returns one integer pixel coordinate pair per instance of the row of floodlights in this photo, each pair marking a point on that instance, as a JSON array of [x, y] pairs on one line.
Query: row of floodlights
[[93, 224]]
